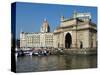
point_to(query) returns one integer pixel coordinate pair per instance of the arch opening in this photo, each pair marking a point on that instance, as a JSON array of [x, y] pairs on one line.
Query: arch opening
[[68, 40]]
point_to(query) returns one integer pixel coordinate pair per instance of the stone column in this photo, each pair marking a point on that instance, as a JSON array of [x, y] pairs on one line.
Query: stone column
[[74, 39]]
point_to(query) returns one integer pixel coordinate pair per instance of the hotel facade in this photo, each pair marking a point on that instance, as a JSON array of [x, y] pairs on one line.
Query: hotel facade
[[78, 31], [42, 39]]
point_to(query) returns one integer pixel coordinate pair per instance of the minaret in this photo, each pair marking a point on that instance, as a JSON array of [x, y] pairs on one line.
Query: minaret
[[45, 26]]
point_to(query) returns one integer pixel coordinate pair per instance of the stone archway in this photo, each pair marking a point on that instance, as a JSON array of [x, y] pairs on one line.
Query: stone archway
[[68, 40]]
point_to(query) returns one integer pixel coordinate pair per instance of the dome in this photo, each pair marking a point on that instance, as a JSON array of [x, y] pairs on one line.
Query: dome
[[45, 26], [45, 23]]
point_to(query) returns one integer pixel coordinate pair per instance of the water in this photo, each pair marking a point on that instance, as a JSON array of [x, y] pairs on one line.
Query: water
[[55, 62]]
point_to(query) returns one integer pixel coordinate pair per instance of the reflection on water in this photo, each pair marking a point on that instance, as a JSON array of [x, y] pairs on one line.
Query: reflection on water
[[54, 62]]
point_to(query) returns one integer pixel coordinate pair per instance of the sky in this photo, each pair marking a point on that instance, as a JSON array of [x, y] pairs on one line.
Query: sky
[[30, 16]]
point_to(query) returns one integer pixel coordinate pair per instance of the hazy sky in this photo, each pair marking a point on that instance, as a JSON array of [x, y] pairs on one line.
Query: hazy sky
[[30, 16]]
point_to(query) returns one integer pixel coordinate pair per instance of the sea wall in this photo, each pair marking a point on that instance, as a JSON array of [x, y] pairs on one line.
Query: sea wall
[[75, 51]]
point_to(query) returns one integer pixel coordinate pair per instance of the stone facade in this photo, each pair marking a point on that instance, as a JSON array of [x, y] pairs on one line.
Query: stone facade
[[76, 32], [41, 39], [36, 40]]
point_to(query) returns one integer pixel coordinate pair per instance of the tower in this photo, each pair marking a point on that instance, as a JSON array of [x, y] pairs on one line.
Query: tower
[[45, 26], [62, 18]]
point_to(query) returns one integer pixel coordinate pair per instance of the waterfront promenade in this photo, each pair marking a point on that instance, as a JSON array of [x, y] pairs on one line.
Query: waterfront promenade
[[75, 51]]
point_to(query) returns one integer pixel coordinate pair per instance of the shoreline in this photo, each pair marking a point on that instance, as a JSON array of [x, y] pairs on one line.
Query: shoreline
[[75, 52]]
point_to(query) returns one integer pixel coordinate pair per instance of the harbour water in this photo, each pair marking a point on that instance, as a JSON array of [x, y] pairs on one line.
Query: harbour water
[[55, 62]]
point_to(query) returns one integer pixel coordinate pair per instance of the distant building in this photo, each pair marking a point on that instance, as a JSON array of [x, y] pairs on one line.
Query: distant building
[[41, 39], [75, 32]]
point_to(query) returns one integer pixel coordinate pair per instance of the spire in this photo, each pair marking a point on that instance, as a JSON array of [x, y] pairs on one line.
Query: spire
[[62, 18]]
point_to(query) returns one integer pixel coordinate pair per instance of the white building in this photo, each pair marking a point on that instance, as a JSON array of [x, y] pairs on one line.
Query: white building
[[42, 39]]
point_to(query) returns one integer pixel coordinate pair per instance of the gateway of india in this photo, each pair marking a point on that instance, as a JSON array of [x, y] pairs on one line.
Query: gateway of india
[[78, 31]]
